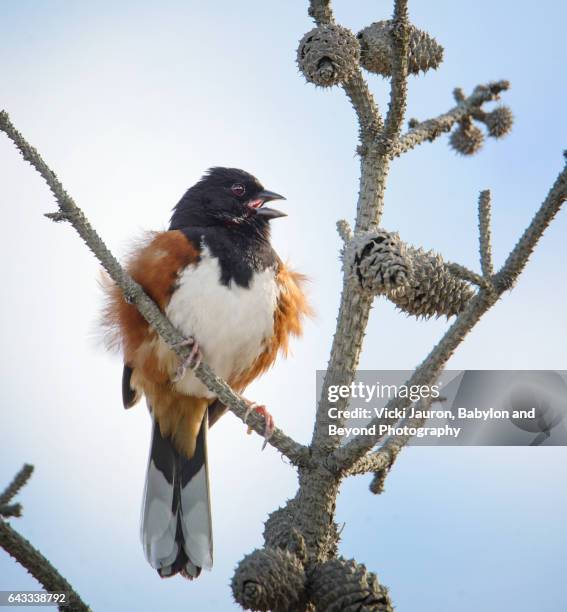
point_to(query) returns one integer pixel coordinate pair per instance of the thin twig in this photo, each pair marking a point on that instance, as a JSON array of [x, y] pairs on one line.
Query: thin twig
[[383, 458], [17, 483], [321, 11], [427, 372], [433, 128], [135, 294], [485, 240], [382, 461], [398, 88], [344, 230], [39, 567], [467, 275], [369, 119], [517, 259], [356, 88], [9, 510], [28, 556]]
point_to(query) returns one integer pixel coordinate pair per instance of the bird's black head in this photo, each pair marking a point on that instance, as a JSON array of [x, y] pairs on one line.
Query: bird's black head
[[227, 197]]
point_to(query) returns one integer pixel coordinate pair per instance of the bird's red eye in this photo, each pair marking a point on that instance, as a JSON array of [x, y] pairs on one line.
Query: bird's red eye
[[238, 189]]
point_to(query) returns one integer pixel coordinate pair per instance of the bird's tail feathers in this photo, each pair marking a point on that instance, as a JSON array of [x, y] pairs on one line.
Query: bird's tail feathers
[[176, 527]]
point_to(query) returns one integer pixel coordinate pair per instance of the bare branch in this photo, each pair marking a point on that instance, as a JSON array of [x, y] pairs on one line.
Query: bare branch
[[135, 294], [519, 256], [38, 566], [371, 462], [459, 94], [425, 374], [372, 187], [17, 483], [11, 510], [431, 367], [398, 88], [321, 11], [297, 453], [355, 306], [28, 556], [383, 458], [344, 230], [485, 241], [433, 128], [356, 88], [381, 461], [369, 118], [467, 275]]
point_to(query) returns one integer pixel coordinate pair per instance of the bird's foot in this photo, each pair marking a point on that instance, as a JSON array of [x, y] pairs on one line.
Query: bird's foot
[[192, 361], [268, 419]]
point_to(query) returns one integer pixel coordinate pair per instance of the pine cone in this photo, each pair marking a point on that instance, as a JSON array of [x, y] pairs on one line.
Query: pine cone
[[467, 139], [433, 288], [499, 122], [280, 532], [269, 579], [419, 283], [378, 260], [345, 586], [328, 55], [377, 53]]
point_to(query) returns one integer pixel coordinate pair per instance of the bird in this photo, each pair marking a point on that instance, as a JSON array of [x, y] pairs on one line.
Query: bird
[[216, 276]]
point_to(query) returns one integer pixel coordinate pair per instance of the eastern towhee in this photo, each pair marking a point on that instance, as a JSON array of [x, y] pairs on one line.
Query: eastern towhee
[[217, 278]]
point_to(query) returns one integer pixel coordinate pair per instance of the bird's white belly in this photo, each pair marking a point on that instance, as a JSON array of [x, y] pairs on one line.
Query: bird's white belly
[[230, 323]]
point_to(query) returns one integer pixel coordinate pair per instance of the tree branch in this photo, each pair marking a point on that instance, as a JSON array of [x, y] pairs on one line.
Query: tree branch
[[433, 128], [375, 143], [298, 565], [519, 256], [369, 118], [346, 456], [485, 241], [398, 88], [381, 461], [465, 274], [356, 88], [20, 479], [321, 11], [425, 374], [135, 294], [28, 556]]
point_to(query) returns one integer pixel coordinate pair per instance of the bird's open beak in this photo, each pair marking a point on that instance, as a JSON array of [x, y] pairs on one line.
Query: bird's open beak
[[269, 213]]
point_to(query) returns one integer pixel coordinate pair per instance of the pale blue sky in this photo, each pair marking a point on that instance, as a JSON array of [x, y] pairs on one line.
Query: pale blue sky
[[129, 102]]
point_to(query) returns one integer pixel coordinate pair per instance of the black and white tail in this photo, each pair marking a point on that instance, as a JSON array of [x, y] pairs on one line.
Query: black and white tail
[[176, 525]]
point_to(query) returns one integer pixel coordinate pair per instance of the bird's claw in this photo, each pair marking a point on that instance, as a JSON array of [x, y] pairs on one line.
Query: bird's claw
[[268, 418], [192, 361]]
